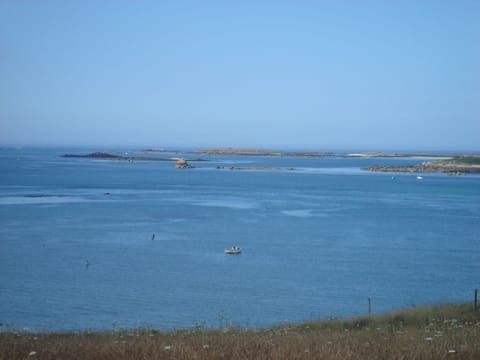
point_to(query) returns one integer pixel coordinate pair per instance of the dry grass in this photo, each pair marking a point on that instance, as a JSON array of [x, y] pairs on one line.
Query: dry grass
[[443, 332]]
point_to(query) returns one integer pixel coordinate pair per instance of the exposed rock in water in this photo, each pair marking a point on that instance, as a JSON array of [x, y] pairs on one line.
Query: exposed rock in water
[[183, 164]]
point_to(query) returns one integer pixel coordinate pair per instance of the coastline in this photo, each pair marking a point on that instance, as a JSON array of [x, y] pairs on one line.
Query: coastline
[[100, 155], [456, 166], [451, 165], [319, 154], [273, 153], [94, 165]]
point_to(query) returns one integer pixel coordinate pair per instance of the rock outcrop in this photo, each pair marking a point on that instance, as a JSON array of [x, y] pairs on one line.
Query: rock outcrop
[[183, 164]]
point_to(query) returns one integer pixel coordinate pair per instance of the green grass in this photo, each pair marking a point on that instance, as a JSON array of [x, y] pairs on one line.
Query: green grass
[[463, 160], [471, 160], [434, 332]]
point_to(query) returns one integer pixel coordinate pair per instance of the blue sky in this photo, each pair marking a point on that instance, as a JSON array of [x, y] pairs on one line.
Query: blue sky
[[371, 75]]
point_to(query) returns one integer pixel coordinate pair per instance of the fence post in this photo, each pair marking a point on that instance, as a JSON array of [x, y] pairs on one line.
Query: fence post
[[475, 302]]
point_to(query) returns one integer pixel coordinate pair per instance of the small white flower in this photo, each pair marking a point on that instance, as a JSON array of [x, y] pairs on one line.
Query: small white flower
[[32, 353]]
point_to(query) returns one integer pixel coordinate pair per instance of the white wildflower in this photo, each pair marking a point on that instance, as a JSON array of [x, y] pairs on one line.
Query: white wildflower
[[32, 353]]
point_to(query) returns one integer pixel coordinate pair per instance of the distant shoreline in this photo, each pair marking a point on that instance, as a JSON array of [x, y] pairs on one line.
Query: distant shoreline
[[448, 164], [274, 153], [100, 155], [315, 154], [458, 165]]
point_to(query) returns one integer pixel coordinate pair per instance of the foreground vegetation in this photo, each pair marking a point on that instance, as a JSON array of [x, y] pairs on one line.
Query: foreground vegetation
[[438, 332]]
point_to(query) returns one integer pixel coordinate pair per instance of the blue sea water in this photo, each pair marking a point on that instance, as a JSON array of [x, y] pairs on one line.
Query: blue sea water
[[317, 243]]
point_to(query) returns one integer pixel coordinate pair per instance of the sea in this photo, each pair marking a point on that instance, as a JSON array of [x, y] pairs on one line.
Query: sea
[[89, 244]]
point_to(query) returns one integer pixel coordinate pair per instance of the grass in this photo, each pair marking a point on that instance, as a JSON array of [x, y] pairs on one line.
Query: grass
[[435, 332], [462, 160], [470, 160]]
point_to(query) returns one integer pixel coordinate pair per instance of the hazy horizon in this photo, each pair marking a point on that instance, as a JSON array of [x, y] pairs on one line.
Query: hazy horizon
[[372, 76], [192, 147]]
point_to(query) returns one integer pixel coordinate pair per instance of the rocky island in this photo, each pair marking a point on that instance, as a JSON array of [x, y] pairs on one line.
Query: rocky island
[[100, 155], [107, 156], [458, 165]]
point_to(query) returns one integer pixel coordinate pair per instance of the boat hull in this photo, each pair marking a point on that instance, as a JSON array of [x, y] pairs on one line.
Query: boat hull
[[233, 251]]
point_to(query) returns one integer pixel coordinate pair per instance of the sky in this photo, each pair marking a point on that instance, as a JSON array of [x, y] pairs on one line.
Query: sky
[[304, 74]]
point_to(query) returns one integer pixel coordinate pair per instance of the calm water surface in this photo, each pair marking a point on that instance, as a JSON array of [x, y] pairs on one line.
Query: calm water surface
[[317, 242]]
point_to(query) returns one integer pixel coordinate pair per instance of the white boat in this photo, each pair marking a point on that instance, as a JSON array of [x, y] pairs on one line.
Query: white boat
[[419, 177], [233, 250]]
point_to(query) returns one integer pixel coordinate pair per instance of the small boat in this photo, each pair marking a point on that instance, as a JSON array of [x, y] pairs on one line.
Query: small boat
[[419, 177], [233, 250]]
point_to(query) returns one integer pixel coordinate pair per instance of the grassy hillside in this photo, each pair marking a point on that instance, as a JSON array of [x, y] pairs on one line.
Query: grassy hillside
[[468, 160], [437, 332]]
